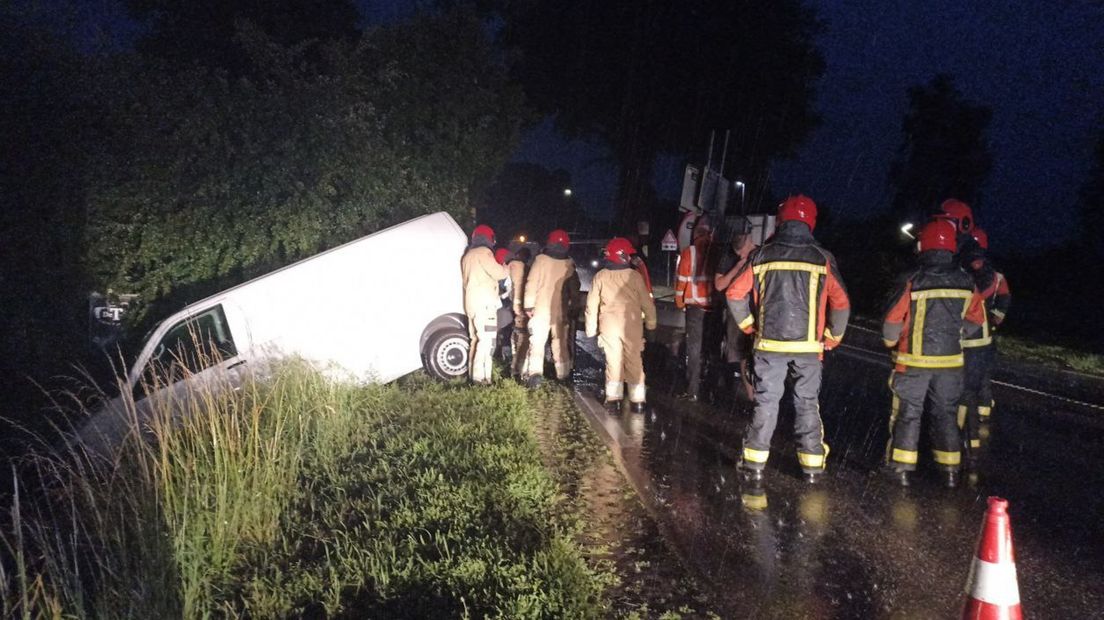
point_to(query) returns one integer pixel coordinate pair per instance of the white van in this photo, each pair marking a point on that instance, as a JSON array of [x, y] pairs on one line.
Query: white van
[[373, 309]]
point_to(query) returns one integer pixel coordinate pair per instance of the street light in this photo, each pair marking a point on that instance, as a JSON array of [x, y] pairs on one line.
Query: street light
[[740, 185], [567, 192], [906, 229]]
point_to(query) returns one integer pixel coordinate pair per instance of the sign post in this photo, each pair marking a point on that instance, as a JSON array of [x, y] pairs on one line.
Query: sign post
[[669, 244]]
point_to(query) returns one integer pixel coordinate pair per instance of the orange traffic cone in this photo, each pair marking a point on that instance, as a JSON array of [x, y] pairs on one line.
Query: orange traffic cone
[[992, 592]]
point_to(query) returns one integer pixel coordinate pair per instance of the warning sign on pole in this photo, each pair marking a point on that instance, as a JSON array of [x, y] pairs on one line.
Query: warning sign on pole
[[669, 242]]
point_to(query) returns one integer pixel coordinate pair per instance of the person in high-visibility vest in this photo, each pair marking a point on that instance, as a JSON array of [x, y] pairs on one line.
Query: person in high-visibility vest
[[618, 310], [544, 303], [481, 276], [976, 403], [933, 308], [790, 295], [694, 296]]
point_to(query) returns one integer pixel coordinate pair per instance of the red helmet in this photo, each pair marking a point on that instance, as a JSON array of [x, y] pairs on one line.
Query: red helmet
[[618, 250], [800, 208], [559, 237], [958, 212], [484, 232], [501, 254], [981, 237], [938, 234]]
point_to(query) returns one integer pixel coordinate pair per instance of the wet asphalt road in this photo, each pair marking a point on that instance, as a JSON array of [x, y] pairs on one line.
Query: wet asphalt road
[[856, 546]]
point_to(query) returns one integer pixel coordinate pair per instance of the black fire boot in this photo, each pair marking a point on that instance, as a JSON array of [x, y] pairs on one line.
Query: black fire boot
[[636, 407], [814, 477], [533, 382], [752, 476], [950, 478], [613, 407], [898, 476]]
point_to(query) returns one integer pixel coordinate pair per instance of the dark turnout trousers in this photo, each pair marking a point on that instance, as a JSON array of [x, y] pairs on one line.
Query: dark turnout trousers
[[771, 372], [941, 389], [700, 333], [977, 393]]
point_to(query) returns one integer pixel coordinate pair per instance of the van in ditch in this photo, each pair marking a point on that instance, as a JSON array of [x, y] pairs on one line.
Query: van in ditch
[[371, 310]]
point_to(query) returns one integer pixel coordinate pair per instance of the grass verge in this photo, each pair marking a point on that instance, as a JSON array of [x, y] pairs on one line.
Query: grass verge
[[1050, 355], [302, 497]]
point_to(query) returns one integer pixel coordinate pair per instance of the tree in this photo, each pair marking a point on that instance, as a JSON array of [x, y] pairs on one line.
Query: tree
[[48, 120], [213, 179], [944, 153], [656, 77], [184, 32]]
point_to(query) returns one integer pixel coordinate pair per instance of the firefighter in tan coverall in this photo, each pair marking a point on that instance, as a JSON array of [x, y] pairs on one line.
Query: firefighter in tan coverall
[[481, 273], [519, 340], [618, 298], [544, 305]]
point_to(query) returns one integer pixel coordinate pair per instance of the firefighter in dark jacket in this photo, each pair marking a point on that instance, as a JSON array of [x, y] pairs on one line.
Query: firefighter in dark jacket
[[790, 295], [980, 353], [933, 309]]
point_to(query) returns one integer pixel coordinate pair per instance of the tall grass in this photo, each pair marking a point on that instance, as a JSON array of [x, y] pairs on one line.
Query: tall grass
[[297, 496]]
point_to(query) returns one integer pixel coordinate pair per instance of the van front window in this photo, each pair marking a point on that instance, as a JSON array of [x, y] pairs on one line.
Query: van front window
[[189, 347]]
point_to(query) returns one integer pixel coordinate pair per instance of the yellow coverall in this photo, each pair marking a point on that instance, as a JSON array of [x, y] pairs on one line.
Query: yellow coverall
[[544, 297], [519, 341], [617, 299], [481, 273]]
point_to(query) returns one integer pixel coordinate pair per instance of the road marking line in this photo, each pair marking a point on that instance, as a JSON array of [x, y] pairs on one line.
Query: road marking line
[[873, 358]]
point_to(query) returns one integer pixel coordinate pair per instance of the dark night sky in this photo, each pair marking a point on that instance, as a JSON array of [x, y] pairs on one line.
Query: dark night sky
[[1040, 65]]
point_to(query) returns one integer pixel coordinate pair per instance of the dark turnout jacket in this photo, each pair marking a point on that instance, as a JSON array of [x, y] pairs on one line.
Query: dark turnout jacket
[[933, 309], [789, 293]]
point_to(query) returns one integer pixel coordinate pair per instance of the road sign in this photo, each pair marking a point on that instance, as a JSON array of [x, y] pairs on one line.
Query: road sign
[[669, 243]]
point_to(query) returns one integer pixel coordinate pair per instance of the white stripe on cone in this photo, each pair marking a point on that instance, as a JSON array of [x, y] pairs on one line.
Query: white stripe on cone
[[993, 583]]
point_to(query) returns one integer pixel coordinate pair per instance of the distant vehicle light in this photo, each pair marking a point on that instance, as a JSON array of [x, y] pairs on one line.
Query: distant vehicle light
[[521, 238], [593, 263]]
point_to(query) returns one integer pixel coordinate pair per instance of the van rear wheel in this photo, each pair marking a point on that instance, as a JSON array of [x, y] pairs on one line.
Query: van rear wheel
[[446, 353]]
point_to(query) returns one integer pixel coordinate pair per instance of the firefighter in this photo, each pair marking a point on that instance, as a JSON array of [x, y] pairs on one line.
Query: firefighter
[[543, 302], [934, 306], [481, 274], [519, 339], [618, 298], [790, 295], [976, 403], [694, 296], [737, 344]]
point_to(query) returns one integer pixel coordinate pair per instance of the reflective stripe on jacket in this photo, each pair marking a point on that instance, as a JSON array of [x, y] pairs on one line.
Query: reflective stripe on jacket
[[694, 284], [931, 312], [790, 294]]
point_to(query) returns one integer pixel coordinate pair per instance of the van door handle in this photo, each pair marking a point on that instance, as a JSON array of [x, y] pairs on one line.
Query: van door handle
[[235, 364]]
